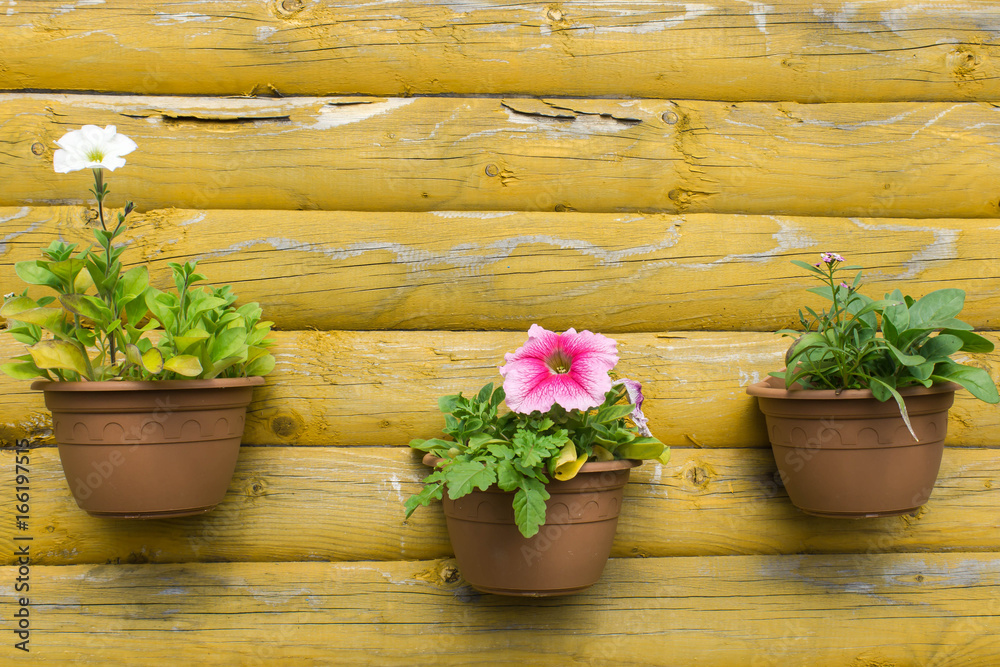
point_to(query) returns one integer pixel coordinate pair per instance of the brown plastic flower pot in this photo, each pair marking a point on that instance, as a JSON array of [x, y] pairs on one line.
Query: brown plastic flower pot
[[148, 450], [568, 553], [846, 454]]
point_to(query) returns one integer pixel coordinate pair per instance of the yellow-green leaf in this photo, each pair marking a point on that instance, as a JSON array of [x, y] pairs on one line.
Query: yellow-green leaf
[[59, 354], [47, 318], [183, 364], [601, 454], [16, 306], [152, 361], [641, 450], [568, 469]]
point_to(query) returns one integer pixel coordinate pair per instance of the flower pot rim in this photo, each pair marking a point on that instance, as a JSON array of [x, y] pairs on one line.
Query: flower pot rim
[[773, 387], [431, 460], [146, 385]]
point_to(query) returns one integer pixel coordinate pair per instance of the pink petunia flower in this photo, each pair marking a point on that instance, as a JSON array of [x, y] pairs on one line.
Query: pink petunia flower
[[568, 369]]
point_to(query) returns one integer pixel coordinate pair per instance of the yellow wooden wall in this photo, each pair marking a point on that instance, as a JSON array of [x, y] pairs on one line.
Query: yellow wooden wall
[[407, 186]]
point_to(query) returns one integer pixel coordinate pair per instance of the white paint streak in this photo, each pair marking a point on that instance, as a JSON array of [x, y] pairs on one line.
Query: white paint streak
[[331, 116], [471, 257], [753, 377], [481, 215], [21, 213], [691, 11], [789, 237], [264, 32], [192, 221], [164, 18], [944, 247], [759, 12]]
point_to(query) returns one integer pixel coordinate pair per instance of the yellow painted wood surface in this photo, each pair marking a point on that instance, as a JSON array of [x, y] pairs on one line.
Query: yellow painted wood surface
[[381, 388], [469, 270], [456, 153], [816, 51], [345, 504], [887, 609]]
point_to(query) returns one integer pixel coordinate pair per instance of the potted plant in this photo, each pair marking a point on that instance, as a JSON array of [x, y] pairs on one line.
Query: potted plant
[[558, 457], [844, 449], [148, 389]]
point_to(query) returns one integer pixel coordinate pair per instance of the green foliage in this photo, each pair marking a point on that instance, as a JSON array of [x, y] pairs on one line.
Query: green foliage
[[845, 348], [103, 323], [520, 452]]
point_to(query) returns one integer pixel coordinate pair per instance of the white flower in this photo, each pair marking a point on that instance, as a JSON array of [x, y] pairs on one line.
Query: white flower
[[90, 147]]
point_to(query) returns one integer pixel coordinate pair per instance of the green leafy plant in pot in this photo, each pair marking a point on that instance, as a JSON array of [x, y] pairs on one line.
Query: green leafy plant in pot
[[858, 417], [531, 493], [148, 389]]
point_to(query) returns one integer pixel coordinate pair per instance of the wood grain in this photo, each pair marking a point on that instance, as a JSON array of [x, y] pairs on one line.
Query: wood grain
[[491, 154], [453, 270], [381, 388], [345, 504], [815, 51], [938, 609]]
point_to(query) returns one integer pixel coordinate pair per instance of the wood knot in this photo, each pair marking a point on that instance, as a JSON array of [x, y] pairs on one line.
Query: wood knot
[[449, 574], [289, 7], [963, 63], [698, 475], [286, 425], [38, 148]]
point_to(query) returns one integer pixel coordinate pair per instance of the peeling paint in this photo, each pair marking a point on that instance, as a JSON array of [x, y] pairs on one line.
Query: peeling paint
[[331, 116]]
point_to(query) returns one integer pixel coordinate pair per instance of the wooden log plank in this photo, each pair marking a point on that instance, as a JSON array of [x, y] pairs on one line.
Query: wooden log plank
[[446, 153], [345, 504], [811, 51], [816, 610], [618, 272], [378, 388]]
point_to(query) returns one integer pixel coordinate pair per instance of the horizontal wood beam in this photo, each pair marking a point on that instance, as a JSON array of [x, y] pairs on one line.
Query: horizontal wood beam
[[760, 610], [346, 504], [815, 51], [381, 387], [493, 154], [612, 272]]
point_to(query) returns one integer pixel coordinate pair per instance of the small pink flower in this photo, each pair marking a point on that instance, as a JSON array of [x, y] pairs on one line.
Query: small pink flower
[[568, 369], [845, 286], [831, 257]]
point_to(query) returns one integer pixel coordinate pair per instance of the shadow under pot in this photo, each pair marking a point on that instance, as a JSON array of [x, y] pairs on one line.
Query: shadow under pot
[[846, 454], [570, 550], [151, 449]]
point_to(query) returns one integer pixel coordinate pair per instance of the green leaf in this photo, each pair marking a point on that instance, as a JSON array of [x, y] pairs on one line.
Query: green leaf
[[508, 478], [529, 506], [22, 370], [463, 476], [941, 347], [435, 445], [905, 359], [612, 413], [432, 491], [260, 366], [36, 272], [880, 388], [971, 342], [976, 380], [183, 364], [936, 308], [60, 354], [87, 306], [189, 339]]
